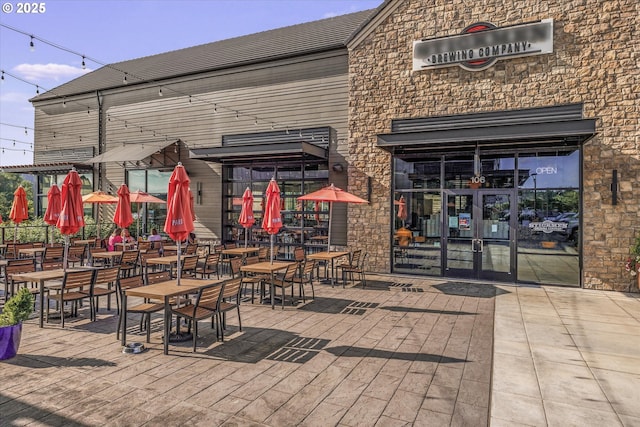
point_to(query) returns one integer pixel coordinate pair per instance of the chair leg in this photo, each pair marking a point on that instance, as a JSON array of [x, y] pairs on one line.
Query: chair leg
[[195, 334], [239, 320]]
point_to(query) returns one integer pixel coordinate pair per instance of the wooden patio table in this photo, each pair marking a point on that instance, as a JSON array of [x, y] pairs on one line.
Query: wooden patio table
[[329, 256], [31, 252], [162, 291], [41, 277], [267, 267]]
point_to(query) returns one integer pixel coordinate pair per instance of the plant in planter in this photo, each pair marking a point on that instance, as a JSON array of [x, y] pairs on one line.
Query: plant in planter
[[17, 309], [633, 262]]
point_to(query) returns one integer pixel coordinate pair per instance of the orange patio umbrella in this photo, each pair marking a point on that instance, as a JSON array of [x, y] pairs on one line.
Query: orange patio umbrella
[[332, 194], [123, 217], [272, 220], [19, 209], [246, 213], [138, 197], [99, 197], [54, 206], [71, 217], [179, 221]]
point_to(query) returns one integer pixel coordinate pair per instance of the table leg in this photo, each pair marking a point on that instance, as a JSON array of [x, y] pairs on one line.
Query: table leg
[[167, 324], [123, 316], [42, 304], [272, 289]]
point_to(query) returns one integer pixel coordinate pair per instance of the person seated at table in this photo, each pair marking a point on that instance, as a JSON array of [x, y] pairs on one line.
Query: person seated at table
[[155, 237], [191, 240], [126, 236], [116, 237]]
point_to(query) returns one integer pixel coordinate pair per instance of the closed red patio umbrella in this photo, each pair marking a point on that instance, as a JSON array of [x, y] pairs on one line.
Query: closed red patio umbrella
[[123, 217], [19, 209], [71, 217], [332, 194], [54, 206], [272, 220], [179, 221], [246, 213]]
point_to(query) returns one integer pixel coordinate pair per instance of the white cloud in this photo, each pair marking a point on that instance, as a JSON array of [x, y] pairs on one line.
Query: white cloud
[[56, 72], [13, 97]]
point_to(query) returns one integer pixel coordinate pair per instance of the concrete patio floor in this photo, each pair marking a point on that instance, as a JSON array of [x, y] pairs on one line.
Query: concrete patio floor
[[402, 351]]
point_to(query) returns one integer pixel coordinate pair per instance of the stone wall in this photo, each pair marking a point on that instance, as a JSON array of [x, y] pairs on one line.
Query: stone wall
[[595, 62]]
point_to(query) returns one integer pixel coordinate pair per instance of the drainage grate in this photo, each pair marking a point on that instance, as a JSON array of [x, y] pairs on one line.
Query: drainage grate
[[412, 290]]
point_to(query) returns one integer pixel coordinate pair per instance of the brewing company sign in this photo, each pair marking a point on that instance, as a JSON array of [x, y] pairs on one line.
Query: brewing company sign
[[482, 44]]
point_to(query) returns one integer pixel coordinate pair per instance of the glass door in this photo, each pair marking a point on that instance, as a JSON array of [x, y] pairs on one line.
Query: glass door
[[479, 242]]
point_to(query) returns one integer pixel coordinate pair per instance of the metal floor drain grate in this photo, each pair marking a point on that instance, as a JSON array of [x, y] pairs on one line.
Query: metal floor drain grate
[[412, 290]]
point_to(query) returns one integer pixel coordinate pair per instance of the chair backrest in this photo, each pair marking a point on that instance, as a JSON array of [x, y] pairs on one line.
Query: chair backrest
[[289, 273], [218, 248], [76, 252], [251, 260], [308, 267], [53, 253], [130, 282], [263, 253], [210, 296], [129, 257], [77, 279], [232, 288], [158, 276], [355, 257], [189, 263], [17, 266], [150, 253], [144, 245], [298, 254], [230, 246], [235, 266], [107, 275], [363, 261], [191, 249], [52, 265]]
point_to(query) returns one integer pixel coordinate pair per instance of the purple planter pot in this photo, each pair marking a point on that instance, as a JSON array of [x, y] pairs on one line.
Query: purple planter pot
[[10, 340]]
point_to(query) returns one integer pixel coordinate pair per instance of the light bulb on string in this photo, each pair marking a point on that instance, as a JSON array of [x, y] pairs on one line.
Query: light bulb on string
[[160, 92], [215, 108], [37, 89], [84, 65], [287, 130], [124, 79], [256, 122], [64, 104], [25, 130], [2, 77], [237, 115], [189, 99], [14, 142], [32, 46]]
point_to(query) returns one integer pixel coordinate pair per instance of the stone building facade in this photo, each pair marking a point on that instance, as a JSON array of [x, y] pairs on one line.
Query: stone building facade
[[594, 63]]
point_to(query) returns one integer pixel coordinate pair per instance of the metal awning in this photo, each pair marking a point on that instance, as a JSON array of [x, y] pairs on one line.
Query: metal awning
[[58, 168], [549, 126], [130, 152], [261, 152]]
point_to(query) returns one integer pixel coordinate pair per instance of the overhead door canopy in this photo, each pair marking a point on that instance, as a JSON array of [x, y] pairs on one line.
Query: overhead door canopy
[[131, 152], [550, 126]]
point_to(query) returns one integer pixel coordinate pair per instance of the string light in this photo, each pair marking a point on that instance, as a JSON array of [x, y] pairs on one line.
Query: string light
[[64, 103], [32, 46], [237, 116], [84, 66], [2, 77], [124, 79], [160, 92], [38, 89]]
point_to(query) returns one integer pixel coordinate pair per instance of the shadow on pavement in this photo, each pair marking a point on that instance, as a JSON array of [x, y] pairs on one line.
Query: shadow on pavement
[[346, 351], [467, 289], [426, 310], [44, 361]]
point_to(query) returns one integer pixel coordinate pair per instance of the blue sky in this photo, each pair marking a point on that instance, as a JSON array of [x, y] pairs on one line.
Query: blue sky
[[117, 30]]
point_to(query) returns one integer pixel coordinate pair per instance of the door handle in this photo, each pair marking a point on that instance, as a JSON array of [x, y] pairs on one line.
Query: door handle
[[481, 242]]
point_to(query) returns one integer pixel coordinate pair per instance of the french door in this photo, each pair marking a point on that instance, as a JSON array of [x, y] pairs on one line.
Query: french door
[[479, 234]]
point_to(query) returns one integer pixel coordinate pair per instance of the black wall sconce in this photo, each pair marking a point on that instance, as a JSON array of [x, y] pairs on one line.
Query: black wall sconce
[[614, 187], [337, 167], [199, 192], [369, 189]]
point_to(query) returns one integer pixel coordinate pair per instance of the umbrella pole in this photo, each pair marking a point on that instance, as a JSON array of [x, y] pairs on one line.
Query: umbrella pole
[[179, 266], [15, 237], [66, 252], [329, 230], [271, 251], [245, 237]]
